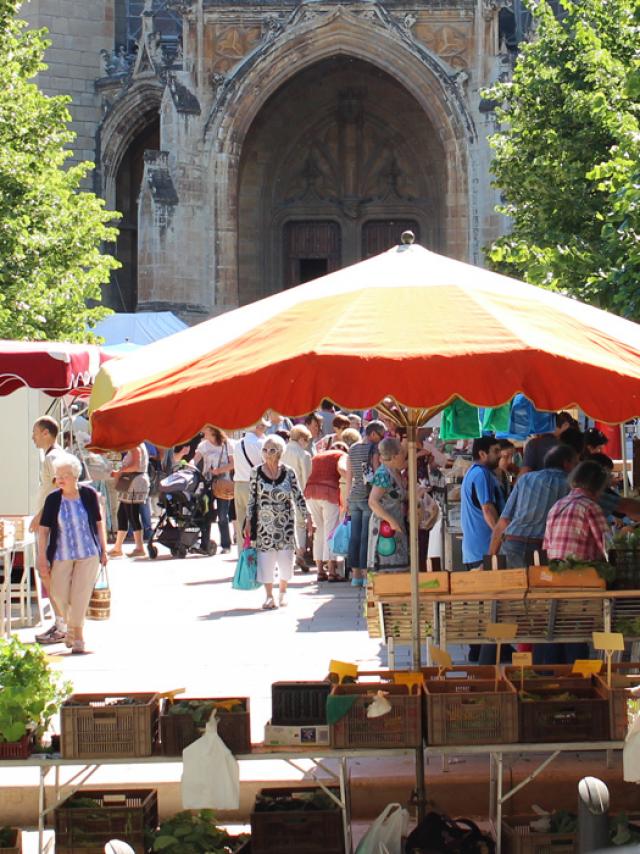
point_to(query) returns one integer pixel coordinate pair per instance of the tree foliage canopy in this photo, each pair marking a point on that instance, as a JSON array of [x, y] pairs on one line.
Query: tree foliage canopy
[[51, 234], [567, 157]]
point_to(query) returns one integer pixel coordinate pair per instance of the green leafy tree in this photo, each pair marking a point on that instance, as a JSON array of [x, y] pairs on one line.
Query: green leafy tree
[[51, 234], [566, 158]]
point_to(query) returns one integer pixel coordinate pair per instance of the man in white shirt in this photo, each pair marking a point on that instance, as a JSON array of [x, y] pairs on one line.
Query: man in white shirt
[[45, 435], [247, 455]]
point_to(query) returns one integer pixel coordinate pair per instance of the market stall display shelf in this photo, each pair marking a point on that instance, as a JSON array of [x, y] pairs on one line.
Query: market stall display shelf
[[126, 814], [493, 581], [104, 725], [302, 831], [470, 712], [519, 838], [399, 727], [177, 731]]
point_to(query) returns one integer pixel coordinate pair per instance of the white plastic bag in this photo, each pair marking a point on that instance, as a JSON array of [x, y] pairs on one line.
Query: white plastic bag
[[210, 774], [385, 834]]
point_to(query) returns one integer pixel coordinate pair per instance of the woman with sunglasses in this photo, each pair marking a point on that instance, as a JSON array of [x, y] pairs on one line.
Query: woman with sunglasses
[[273, 496]]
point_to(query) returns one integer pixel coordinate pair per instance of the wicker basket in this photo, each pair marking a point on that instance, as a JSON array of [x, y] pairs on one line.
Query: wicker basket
[[99, 604], [92, 726], [470, 712], [297, 832], [401, 727], [518, 838], [179, 731], [126, 814]]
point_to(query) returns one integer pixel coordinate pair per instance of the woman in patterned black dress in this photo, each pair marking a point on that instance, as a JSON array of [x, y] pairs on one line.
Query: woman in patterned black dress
[[273, 495]]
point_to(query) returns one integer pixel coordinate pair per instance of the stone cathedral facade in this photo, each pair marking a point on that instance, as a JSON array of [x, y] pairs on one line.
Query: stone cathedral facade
[[254, 146]]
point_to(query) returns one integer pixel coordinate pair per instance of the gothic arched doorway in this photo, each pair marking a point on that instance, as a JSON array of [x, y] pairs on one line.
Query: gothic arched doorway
[[122, 292], [337, 163]]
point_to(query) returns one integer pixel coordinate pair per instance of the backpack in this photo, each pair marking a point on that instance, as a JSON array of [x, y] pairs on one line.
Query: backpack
[[438, 834]]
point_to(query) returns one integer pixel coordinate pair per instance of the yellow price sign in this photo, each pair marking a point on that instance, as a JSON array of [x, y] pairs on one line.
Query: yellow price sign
[[501, 631], [342, 669], [170, 695], [587, 666], [608, 641], [440, 657], [522, 659], [408, 678]]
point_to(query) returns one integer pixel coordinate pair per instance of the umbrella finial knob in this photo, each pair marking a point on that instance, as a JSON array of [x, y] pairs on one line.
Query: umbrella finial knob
[[407, 238]]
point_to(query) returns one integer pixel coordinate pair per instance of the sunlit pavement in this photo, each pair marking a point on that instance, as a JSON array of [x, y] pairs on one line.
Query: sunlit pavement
[[179, 624]]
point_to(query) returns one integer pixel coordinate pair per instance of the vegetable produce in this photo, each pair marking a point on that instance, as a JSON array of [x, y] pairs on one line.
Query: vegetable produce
[[194, 833], [602, 567]]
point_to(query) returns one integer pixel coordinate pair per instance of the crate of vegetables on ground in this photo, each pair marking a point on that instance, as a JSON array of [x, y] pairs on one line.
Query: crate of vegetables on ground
[[90, 818], [303, 820], [183, 720]]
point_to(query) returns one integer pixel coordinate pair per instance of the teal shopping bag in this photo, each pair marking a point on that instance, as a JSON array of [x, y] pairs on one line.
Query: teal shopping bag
[[245, 577]]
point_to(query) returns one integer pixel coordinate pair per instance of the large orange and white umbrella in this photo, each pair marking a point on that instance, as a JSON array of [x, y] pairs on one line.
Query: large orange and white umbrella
[[408, 324]]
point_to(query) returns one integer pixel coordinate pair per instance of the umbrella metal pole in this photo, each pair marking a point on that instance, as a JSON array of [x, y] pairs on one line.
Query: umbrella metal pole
[[625, 462], [415, 591]]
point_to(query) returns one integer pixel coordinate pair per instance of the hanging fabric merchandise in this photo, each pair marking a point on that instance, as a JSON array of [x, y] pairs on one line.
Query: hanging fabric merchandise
[[460, 420], [496, 419]]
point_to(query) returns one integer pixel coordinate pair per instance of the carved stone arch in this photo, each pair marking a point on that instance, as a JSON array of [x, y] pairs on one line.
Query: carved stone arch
[[372, 39], [131, 127], [125, 120]]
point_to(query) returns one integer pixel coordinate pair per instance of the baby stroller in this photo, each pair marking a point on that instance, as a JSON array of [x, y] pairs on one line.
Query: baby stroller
[[185, 510]]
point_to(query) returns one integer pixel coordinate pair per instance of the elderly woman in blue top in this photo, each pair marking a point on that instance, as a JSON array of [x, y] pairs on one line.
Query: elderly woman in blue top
[[72, 543]]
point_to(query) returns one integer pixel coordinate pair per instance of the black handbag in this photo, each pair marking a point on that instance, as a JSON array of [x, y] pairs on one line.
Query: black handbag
[[438, 834]]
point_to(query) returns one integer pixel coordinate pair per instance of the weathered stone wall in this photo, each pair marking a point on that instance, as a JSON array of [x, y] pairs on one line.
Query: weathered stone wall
[[78, 31], [210, 216]]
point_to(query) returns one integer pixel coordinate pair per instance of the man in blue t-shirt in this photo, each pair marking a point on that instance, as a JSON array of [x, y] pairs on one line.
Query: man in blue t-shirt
[[482, 501]]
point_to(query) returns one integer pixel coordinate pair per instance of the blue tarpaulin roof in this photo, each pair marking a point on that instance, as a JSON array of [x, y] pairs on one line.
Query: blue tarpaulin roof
[[142, 327]]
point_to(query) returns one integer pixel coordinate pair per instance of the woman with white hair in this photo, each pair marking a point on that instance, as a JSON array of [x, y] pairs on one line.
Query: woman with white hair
[[274, 494], [72, 543]]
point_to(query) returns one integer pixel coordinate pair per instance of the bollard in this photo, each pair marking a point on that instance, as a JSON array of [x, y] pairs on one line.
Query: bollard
[[593, 819]]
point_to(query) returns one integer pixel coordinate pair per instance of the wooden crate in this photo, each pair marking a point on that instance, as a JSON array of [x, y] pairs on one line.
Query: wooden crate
[[7, 534], [372, 615], [541, 576], [396, 616], [518, 838], [494, 581], [399, 583], [467, 621]]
